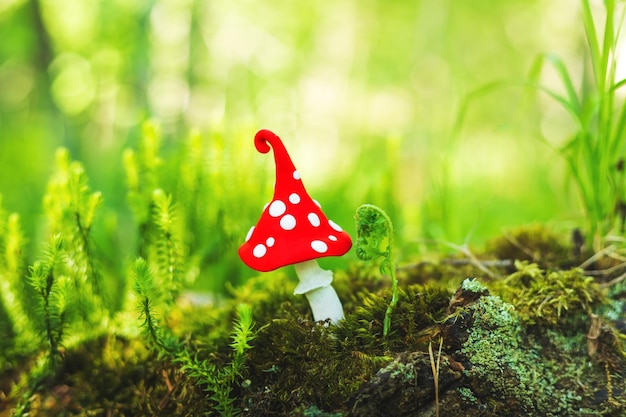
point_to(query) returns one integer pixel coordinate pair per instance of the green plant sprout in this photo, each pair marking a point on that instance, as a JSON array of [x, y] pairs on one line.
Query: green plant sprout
[[12, 286], [70, 301], [146, 294], [594, 152], [141, 167], [168, 246], [374, 240], [52, 289], [217, 381], [70, 208]]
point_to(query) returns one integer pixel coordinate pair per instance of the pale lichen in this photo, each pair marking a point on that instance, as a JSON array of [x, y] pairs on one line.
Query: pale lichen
[[506, 365]]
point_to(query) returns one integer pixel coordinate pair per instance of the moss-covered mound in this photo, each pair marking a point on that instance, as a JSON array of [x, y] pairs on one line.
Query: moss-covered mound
[[520, 340]]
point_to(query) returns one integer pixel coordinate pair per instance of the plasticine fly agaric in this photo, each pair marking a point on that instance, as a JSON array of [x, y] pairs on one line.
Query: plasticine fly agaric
[[293, 230]]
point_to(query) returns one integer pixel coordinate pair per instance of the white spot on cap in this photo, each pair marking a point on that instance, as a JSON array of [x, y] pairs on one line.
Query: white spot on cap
[[288, 222], [335, 226], [249, 233], [277, 208], [296, 175], [259, 250], [319, 246], [270, 242], [313, 219], [294, 198], [332, 237], [317, 203]]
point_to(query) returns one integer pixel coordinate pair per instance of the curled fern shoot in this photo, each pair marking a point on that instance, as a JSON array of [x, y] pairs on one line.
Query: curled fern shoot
[[375, 240]]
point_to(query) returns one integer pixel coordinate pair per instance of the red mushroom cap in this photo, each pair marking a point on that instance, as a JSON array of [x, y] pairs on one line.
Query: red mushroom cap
[[292, 228]]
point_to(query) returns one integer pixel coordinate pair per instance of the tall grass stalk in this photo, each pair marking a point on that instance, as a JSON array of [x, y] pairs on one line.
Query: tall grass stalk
[[594, 153]]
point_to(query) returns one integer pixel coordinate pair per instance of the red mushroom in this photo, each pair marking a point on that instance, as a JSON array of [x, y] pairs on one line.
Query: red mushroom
[[293, 230]]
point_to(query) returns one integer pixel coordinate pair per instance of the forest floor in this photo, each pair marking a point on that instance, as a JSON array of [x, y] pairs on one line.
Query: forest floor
[[530, 326]]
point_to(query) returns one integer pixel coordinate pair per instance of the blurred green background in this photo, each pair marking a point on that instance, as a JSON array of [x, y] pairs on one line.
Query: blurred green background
[[378, 102]]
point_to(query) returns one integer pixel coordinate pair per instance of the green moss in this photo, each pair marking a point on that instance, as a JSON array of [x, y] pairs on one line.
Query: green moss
[[313, 411], [288, 365], [492, 349], [296, 368], [508, 367], [473, 285], [616, 308], [547, 297], [112, 375], [533, 243], [447, 272], [295, 363], [467, 395]]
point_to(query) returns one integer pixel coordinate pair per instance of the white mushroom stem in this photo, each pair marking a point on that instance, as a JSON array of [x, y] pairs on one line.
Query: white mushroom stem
[[315, 284]]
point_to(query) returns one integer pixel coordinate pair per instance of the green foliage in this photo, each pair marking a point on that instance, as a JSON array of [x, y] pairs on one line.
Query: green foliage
[[56, 311], [547, 297], [15, 314], [219, 382], [200, 360], [593, 153], [52, 289], [78, 300], [188, 208], [312, 367], [144, 289], [417, 312], [70, 208], [66, 282], [142, 179], [141, 168], [323, 366], [157, 216], [168, 246], [533, 243], [242, 334], [83, 85], [70, 304], [375, 240]]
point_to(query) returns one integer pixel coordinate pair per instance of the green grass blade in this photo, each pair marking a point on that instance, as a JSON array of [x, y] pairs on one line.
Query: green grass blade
[[608, 45], [618, 132], [592, 39], [561, 70]]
